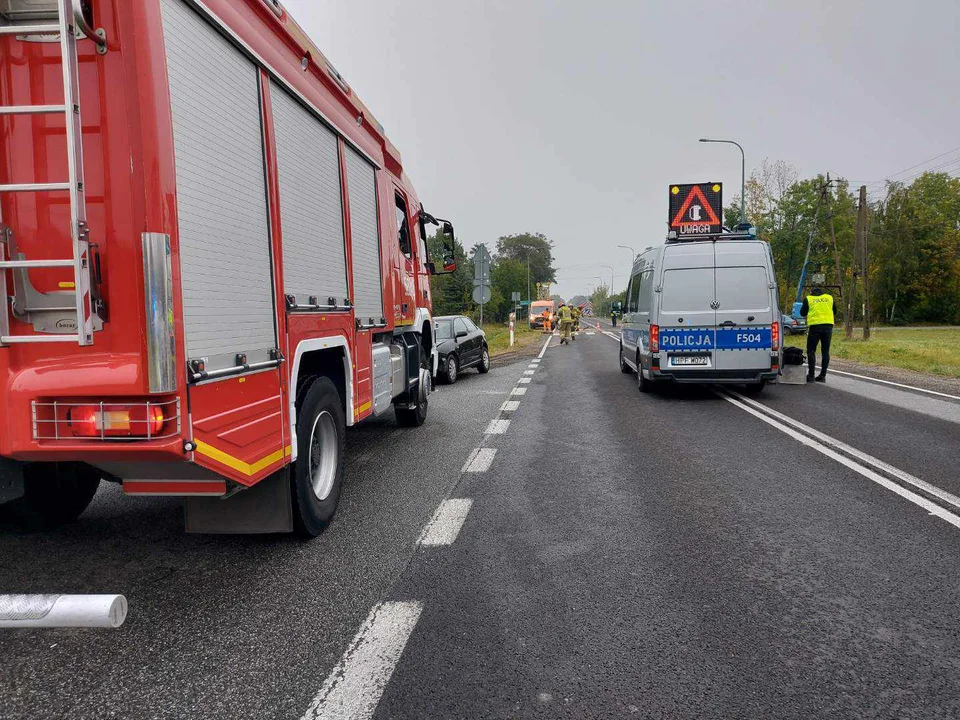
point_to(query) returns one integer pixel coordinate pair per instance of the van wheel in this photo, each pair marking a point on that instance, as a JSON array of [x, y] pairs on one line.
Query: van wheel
[[54, 494], [624, 368], [317, 473], [755, 388], [645, 385]]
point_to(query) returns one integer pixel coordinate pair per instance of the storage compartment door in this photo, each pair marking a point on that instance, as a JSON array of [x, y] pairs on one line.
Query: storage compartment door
[[744, 318], [365, 234], [224, 247], [311, 205]]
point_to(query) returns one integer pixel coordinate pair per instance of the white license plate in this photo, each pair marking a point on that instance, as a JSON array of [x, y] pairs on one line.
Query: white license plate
[[690, 360]]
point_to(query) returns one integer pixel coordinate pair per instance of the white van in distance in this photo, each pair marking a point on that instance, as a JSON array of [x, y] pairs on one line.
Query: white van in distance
[[703, 310]]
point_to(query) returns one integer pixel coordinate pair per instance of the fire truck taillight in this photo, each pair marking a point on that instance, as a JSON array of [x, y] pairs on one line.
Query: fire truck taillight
[[134, 421], [154, 419]]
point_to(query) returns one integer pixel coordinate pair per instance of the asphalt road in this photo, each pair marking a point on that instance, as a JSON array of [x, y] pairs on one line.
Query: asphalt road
[[559, 546]]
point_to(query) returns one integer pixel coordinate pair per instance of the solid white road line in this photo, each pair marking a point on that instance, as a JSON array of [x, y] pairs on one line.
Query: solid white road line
[[510, 406], [497, 427], [525, 380], [518, 391], [445, 525], [894, 384], [480, 460], [353, 688], [875, 463], [543, 350], [611, 335], [893, 487]]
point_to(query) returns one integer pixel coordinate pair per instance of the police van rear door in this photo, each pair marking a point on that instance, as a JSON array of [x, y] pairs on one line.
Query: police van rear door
[[745, 312], [687, 318]]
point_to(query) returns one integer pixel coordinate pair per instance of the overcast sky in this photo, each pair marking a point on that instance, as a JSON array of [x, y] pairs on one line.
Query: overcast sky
[[572, 118]]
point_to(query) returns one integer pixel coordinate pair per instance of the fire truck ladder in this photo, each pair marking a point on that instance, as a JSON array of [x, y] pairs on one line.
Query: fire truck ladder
[[70, 19]]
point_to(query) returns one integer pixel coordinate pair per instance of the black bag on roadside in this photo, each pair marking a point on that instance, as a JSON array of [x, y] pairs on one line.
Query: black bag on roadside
[[793, 356]]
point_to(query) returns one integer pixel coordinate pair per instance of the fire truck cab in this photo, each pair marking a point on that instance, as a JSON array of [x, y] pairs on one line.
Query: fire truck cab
[[212, 262]]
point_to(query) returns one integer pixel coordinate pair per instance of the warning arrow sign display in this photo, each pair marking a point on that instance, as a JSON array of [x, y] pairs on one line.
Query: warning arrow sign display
[[696, 209]]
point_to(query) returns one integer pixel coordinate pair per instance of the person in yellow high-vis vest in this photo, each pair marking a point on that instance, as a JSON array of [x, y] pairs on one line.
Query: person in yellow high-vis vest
[[566, 323], [818, 309]]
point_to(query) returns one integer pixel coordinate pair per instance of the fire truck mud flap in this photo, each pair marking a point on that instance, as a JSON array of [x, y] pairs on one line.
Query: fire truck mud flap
[[263, 509], [11, 480]]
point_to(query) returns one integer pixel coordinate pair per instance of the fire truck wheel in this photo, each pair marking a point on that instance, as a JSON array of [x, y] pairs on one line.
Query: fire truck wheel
[[484, 366], [318, 470], [54, 494], [416, 415]]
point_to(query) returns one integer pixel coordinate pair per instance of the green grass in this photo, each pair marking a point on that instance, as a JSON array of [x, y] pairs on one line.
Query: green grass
[[934, 351], [498, 337]]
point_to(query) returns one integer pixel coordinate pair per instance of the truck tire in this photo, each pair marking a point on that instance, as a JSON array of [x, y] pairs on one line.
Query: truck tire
[[54, 494], [415, 416], [484, 367], [317, 473], [624, 368]]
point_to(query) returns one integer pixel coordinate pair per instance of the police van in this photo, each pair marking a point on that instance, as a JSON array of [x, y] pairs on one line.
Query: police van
[[703, 309]]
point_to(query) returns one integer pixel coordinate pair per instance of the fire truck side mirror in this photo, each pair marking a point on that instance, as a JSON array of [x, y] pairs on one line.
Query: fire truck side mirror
[[449, 239]]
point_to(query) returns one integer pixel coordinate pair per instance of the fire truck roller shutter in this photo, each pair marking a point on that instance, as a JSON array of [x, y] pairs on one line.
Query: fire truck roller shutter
[[225, 264], [311, 205], [367, 280]]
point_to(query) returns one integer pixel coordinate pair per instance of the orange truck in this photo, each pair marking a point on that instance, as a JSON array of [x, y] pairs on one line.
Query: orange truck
[[212, 262]]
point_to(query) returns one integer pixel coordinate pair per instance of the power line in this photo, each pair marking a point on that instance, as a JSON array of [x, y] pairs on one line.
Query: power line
[[900, 172]]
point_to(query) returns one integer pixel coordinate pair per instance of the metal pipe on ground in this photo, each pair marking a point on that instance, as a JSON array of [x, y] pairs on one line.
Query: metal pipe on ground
[[62, 611]]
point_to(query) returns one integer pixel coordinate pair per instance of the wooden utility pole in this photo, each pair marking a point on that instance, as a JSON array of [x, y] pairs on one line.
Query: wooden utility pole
[[836, 257], [863, 234]]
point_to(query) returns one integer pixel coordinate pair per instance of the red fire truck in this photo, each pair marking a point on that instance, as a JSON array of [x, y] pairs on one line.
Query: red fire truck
[[211, 263]]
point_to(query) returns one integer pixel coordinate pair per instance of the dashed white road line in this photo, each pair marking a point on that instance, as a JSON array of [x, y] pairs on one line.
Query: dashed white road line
[[497, 427], [510, 406], [525, 380], [528, 372], [353, 688], [480, 460], [518, 391], [866, 472], [445, 525]]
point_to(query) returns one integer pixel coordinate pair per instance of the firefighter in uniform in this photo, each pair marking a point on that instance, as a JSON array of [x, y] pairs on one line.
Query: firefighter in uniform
[[566, 322], [576, 312], [818, 309]]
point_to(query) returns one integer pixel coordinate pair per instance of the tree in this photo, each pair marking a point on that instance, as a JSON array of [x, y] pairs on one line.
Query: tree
[[451, 293], [533, 246]]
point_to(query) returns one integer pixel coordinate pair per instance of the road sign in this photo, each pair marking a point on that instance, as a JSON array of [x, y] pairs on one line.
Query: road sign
[[515, 296], [696, 209], [481, 294]]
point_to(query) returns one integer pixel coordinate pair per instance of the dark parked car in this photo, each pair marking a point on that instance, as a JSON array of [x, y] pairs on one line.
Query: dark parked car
[[792, 326], [461, 345]]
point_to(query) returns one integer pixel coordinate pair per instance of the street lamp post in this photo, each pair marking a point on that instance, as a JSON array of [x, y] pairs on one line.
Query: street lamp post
[[608, 267], [633, 253], [743, 176]]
